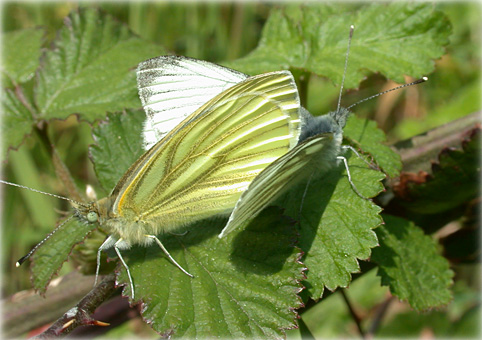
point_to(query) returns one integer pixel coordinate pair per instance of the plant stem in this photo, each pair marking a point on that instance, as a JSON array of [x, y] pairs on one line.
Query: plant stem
[[80, 315], [356, 318], [380, 312], [61, 169], [305, 331]]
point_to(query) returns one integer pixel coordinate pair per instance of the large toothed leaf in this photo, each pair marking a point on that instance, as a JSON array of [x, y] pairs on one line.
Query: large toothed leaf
[[244, 286], [91, 68], [410, 264], [387, 39]]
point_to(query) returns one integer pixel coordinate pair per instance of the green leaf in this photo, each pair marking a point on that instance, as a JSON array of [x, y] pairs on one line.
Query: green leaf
[[119, 144], [91, 69], [394, 39], [365, 134], [21, 53], [16, 123], [244, 286], [336, 224], [47, 259], [410, 264]]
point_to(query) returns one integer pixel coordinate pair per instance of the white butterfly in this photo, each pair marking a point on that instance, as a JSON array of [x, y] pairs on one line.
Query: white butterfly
[[172, 87]]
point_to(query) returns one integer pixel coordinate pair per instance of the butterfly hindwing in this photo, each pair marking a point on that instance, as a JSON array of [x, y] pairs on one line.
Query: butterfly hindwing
[[173, 87], [281, 175], [203, 165]]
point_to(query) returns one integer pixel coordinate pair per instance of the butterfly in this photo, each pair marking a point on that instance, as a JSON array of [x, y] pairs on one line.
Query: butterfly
[[216, 139], [172, 86], [200, 167]]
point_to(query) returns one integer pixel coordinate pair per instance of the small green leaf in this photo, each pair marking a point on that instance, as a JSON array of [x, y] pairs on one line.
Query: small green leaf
[[371, 139], [21, 53], [118, 146], [91, 70], [47, 259], [410, 264], [244, 285], [394, 39], [16, 123]]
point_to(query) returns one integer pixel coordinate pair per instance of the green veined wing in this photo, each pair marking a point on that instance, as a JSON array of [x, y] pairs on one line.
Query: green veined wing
[[202, 166], [316, 152]]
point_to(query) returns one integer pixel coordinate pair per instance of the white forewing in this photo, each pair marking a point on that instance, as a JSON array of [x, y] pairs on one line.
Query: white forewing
[[173, 87]]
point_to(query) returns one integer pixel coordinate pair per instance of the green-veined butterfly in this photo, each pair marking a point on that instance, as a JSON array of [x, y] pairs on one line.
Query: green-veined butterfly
[[201, 167]]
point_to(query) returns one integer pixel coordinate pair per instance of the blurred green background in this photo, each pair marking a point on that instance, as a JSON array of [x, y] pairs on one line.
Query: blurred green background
[[226, 31]]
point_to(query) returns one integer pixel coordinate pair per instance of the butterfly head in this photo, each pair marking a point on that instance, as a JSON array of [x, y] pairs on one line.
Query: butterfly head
[[87, 213], [333, 122], [339, 117]]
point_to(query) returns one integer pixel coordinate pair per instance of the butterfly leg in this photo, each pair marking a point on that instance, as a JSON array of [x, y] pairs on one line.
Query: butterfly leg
[[179, 234], [117, 250], [349, 177], [159, 243], [108, 243], [372, 166], [304, 195]]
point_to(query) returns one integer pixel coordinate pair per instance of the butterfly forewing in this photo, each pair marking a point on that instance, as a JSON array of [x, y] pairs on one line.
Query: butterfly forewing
[[172, 87], [202, 166], [277, 177]]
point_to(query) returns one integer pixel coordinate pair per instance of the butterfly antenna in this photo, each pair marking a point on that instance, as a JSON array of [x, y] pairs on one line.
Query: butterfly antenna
[[23, 259], [45, 193], [352, 28], [421, 80]]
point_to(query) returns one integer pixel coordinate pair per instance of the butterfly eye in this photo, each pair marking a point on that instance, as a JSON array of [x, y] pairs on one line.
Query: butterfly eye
[[92, 217]]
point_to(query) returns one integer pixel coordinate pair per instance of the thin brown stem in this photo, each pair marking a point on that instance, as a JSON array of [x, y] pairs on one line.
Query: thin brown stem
[[61, 169], [354, 315], [80, 315], [380, 313]]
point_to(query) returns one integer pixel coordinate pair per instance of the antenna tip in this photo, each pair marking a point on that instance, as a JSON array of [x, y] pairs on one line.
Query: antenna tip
[[352, 27], [22, 260], [424, 78]]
